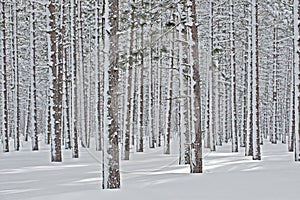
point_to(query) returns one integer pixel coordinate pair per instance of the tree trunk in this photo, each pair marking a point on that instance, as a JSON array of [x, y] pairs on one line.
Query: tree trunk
[[5, 87], [74, 111], [255, 93], [196, 160], [233, 82], [297, 77], [111, 171], [57, 88]]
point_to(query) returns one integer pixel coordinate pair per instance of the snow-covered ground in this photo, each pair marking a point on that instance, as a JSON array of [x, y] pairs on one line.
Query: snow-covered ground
[[27, 175]]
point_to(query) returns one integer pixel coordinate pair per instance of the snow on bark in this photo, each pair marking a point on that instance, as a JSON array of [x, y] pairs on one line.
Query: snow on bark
[[75, 151], [110, 170], [97, 78], [196, 157], [255, 83], [249, 136], [297, 81], [184, 143], [129, 92], [4, 83], [56, 73], [233, 81], [33, 78]]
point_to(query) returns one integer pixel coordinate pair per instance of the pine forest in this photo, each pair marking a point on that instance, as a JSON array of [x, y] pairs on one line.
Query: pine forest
[[188, 96]]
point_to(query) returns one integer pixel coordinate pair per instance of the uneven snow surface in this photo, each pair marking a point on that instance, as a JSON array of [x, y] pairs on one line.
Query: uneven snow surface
[[27, 175]]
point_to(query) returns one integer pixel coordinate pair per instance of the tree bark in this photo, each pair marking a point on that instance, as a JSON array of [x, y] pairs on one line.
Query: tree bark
[[111, 171]]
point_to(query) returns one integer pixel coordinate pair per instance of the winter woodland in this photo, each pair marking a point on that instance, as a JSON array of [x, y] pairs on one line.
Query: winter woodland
[[119, 79]]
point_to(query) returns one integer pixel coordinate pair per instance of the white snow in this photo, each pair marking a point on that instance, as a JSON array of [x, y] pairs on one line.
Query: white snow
[[151, 175]]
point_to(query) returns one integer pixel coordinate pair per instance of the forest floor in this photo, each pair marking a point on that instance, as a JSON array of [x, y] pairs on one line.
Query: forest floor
[[27, 175]]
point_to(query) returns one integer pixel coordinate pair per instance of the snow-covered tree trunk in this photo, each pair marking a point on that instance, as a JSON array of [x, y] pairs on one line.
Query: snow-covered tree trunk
[[56, 70], [245, 91], [297, 81], [249, 136], [74, 117], [196, 159], [15, 62], [274, 132], [5, 86], [141, 113], [167, 149], [111, 171], [129, 87], [184, 154], [233, 81], [34, 133], [97, 76], [80, 80], [255, 81], [291, 135]]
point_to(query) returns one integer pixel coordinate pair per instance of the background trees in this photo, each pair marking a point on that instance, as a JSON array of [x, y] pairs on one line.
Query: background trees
[[151, 74]]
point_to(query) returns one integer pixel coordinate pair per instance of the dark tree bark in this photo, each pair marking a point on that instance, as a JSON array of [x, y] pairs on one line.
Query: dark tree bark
[[4, 63], [57, 87], [111, 171]]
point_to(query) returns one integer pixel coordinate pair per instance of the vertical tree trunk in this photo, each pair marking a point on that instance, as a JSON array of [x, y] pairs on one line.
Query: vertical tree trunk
[[170, 96], [34, 136], [129, 88], [80, 80], [15, 63], [196, 160], [274, 133], [184, 156], [233, 82], [141, 113], [249, 136], [97, 77], [111, 171], [74, 108], [255, 94], [291, 137], [56, 68], [297, 81], [5, 92]]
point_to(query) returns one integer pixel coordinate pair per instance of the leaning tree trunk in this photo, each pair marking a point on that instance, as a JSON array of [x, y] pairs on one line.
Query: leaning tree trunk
[[111, 171]]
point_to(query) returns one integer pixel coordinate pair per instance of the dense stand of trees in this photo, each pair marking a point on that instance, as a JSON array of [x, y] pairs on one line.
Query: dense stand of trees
[[122, 76]]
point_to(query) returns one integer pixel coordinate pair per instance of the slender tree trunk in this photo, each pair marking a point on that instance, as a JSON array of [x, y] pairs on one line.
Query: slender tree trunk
[[57, 86], [74, 111], [249, 136], [16, 68], [297, 81], [184, 155], [233, 82], [196, 160], [111, 171], [35, 145], [141, 113], [5, 92], [170, 101], [129, 88], [255, 94], [97, 76]]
